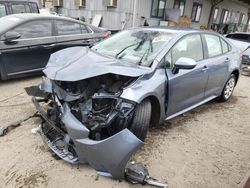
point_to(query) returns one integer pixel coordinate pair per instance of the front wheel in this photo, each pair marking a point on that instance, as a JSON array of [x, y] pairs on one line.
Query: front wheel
[[141, 119], [228, 89]]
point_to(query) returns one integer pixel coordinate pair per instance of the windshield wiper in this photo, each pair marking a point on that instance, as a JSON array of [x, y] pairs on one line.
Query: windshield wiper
[[138, 43], [150, 48]]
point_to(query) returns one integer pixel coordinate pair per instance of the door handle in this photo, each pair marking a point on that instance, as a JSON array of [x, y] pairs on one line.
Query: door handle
[[204, 69], [48, 46]]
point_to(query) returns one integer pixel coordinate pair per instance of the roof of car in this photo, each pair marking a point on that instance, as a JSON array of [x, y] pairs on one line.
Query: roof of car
[[7, 22], [245, 33], [178, 30]]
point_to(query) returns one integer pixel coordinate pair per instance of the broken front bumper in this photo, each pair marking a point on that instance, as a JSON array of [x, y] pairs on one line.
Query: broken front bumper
[[109, 155]]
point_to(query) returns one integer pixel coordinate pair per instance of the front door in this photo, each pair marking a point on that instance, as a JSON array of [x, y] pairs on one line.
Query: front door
[[186, 88], [30, 52]]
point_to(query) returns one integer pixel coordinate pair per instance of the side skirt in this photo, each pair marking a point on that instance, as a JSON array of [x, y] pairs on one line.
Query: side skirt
[[190, 108]]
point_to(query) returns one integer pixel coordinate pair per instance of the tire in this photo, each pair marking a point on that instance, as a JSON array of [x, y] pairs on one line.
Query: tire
[[141, 119], [228, 89]]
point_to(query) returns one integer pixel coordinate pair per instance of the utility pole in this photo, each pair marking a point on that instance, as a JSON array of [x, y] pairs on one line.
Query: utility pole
[[214, 3]]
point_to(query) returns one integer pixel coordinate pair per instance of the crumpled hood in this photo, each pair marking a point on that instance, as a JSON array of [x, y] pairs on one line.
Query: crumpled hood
[[78, 63]]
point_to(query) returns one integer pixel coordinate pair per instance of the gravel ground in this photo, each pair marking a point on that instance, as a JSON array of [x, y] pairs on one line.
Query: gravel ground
[[207, 147]]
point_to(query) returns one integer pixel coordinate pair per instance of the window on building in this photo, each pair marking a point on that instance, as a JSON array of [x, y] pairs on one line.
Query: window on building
[[158, 7], [196, 12], [213, 45], [2, 10], [224, 16], [34, 29], [216, 11], [180, 4], [241, 19], [69, 28]]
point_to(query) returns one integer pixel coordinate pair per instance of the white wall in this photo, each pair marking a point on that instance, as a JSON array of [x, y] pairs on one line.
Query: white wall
[[113, 18]]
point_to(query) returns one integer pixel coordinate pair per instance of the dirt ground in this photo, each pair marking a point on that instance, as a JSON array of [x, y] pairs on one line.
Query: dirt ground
[[207, 147]]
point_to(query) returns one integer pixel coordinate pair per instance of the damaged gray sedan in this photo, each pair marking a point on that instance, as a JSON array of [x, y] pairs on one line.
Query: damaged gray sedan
[[100, 101]]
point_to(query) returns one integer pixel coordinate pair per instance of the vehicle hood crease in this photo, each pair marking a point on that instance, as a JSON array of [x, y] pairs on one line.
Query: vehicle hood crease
[[78, 63]]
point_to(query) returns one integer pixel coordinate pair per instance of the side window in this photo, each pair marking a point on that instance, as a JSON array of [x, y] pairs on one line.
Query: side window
[[189, 46], [18, 8], [68, 28], [27, 8], [225, 46], [34, 29], [213, 45], [84, 29], [2, 10], [34, 7]]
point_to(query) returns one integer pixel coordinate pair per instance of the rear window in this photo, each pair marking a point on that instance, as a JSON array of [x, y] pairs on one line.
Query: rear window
[[69, 28], [2, 10]]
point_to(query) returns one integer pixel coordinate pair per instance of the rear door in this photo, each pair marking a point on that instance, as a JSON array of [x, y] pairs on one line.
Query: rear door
[[31, 51], [186, 88], [218, 59], [70, 33]]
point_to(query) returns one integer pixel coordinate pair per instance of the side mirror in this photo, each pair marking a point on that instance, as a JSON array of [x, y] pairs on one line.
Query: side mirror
[[183, 63], [10, 36]]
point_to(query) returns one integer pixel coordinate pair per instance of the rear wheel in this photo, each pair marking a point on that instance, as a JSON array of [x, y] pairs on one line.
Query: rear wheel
[[228, 89], [141, 119]]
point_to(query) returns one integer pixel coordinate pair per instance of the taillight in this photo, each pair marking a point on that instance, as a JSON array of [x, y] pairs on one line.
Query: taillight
[[107, 34]]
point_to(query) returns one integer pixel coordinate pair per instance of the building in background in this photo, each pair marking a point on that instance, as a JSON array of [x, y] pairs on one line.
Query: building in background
[[226, 16]]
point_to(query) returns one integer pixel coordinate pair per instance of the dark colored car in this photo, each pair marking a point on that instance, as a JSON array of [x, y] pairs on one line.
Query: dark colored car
[[241, 36], [8, 7], [27, 40]]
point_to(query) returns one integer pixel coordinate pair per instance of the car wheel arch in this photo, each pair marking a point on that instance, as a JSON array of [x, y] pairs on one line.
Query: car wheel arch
[[236, 73]]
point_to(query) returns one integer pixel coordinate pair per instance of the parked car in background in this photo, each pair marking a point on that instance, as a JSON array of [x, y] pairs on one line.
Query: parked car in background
[[241, 36], [8, 7], [246, 57], [27, 40]]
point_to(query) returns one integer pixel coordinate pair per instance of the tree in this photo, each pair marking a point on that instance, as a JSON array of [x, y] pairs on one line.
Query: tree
[[214, 3]]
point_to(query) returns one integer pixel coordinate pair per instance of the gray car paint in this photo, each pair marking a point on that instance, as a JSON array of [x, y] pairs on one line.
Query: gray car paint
[[175, 94], [81, 62]]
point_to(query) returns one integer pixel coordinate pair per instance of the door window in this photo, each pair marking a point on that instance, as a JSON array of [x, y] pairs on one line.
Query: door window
[[34, 29], [2, 10], [20, 8], [190, 47], [225, 46], [69, 28], [213, 45], [34, 8]]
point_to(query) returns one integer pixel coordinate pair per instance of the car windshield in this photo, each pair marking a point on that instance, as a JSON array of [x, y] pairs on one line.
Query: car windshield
[[134, 46]]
